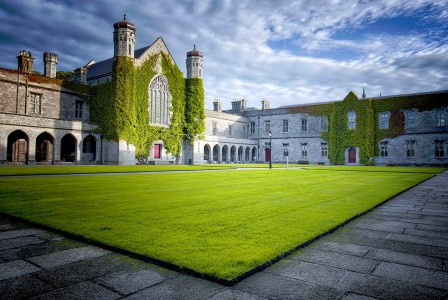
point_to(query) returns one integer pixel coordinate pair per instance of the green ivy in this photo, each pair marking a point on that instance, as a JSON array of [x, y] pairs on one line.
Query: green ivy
[[121, 107], [194, 108]]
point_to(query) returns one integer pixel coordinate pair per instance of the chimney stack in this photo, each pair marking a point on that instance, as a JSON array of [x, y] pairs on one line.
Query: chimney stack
[[50, 60], [25, 61]]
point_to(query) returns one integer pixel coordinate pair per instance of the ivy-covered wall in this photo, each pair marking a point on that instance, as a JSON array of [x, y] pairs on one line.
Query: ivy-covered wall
[[121, 107], [367, 134]]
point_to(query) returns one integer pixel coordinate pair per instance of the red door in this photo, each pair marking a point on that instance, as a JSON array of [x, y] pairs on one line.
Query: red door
[[352, 156], [157, 148], [267, 154]]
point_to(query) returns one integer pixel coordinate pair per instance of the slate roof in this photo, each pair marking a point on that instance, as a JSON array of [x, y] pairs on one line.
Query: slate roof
[[103, 68]]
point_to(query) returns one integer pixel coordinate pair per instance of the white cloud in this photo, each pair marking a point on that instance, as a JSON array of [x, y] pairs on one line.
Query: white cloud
[[237, 38]]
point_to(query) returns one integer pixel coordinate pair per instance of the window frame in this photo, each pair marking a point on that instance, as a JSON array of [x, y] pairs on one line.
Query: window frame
[[440, 118], [383, 120], [410, 148], [324, 149], [384, 151], [410, 119], [304, 125], [285, 126], [35, 108], [324, 124], [304, 150], [439, 147], [79, 109], [268, 126], [351, 120]]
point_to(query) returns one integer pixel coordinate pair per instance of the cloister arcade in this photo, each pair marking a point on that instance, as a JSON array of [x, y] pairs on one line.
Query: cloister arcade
[[229, 154], [46, 148]]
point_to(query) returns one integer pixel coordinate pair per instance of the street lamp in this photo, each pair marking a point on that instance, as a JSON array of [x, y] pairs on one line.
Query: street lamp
[[270, 149]]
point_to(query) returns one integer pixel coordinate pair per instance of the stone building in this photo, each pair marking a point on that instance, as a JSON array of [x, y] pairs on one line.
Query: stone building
[[44, 120]]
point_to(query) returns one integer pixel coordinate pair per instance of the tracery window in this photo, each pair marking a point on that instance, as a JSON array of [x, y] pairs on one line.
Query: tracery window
[[160, 101], [351, 120]]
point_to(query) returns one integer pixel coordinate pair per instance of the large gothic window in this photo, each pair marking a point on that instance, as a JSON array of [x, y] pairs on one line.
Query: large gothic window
[[159, 101]]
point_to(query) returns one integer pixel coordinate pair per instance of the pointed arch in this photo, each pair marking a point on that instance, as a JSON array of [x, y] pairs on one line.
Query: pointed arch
[[89, 148], [17, 148], [44, 147], [159, 101], [68, 148], [216, 153], [207, 153]]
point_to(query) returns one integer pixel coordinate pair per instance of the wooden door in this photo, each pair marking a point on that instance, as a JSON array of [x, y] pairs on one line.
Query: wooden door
[[352, 156], [157, 150], [267, 155]]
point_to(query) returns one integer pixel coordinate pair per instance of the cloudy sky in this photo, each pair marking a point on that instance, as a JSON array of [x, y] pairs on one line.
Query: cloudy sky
[[289, 52]]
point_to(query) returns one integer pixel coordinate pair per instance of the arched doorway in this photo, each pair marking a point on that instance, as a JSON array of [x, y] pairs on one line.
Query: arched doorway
[[254, 154], [68, 148], [44, 148], [232, 154], [216, 153], [207, 153], [89, 148], [240, 154], [247, 155], [224, 153], [17, 149]]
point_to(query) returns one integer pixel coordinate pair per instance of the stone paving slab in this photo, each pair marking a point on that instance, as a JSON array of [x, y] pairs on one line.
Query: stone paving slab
[[65, 257], [16, 268], [397, 251]]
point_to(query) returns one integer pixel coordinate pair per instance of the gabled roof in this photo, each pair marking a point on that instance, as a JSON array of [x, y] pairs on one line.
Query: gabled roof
[[104, 68]]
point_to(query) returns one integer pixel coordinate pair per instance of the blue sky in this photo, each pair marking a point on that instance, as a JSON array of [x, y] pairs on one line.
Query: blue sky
[[289, 52]]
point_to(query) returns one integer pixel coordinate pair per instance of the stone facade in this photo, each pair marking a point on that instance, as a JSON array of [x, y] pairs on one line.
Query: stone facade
[[44, 123]]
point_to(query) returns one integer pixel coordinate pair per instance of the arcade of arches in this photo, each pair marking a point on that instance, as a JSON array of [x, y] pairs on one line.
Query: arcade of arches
[[234, 154], [19, 147]]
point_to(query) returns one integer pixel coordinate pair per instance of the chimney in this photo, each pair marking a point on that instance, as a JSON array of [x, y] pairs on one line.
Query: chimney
[[50, 60], [236, 106], [243, 104], [25, 61], [264, 104], [81, 75], [217, 105]]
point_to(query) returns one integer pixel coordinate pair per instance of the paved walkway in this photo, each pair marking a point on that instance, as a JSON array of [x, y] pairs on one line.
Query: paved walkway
[[397, 251]]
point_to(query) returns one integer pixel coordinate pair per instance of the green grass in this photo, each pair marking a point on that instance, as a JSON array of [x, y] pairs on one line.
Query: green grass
[[61, 169], [219, 223]]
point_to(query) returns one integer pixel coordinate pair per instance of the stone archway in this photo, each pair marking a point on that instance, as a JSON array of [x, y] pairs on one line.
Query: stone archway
[[44, 148], [17, 148], [207, 153], [232, 154], [68, 148], [89, 148], [224, 153], [216, 153]]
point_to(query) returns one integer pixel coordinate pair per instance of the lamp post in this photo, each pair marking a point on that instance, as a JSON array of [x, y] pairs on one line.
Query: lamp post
[[270, 149]]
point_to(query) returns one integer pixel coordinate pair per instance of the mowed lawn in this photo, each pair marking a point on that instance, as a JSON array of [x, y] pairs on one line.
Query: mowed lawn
[[219, 223]]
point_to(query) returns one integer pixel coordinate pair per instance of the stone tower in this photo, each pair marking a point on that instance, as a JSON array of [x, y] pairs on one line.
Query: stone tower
[[124, 38], [194, 63], [50, 60]]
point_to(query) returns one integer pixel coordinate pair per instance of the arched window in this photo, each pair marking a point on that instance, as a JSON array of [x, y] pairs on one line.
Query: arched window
[[159, 101], [351, 120]]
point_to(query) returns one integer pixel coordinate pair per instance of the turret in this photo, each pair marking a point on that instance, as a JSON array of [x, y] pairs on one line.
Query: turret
[[50, 62], [124, 38], [194, 63]]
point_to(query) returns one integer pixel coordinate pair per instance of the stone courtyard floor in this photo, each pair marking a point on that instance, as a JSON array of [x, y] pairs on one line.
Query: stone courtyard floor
[[397, 251]]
